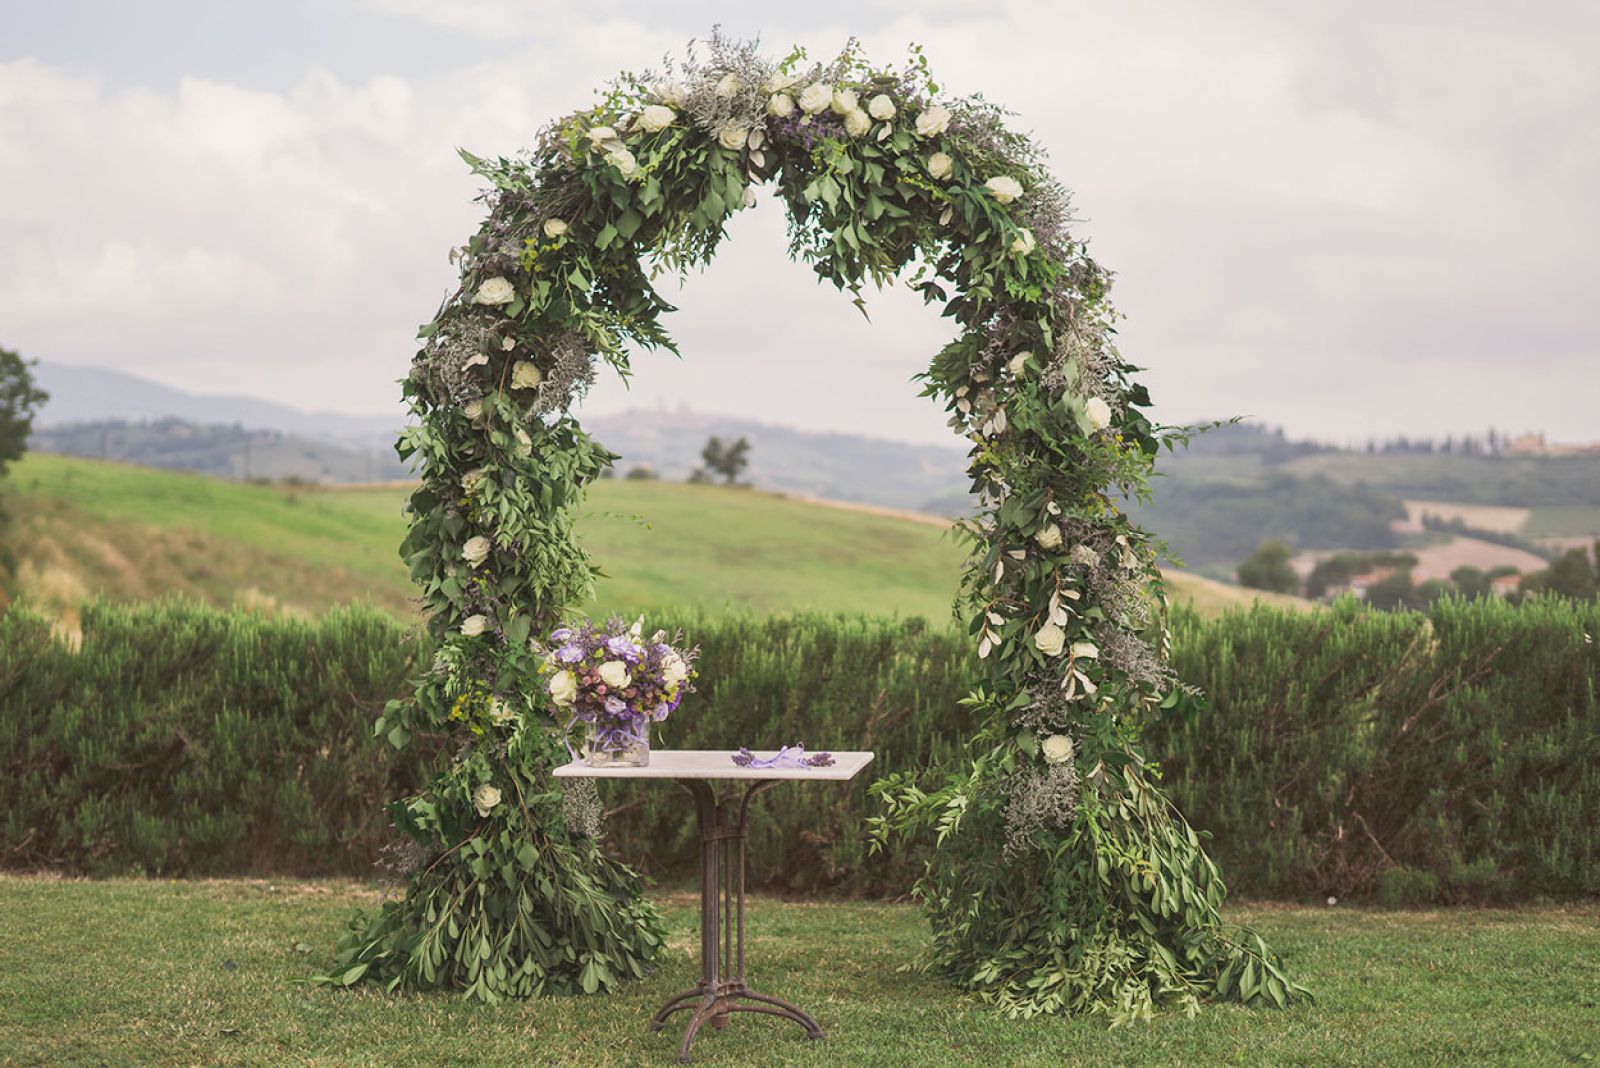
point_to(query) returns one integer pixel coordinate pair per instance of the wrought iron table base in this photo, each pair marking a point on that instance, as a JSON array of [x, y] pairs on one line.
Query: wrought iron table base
[[722, 988]]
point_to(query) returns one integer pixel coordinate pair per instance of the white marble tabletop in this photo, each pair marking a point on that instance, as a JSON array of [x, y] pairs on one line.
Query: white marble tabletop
[[717, 764]]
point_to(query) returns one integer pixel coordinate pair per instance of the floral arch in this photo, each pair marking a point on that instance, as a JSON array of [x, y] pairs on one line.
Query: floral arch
[[1062, 879]]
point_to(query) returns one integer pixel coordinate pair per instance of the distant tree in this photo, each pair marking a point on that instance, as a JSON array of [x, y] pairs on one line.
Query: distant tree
[[726, 461], [640, 473], [1571, 575], [20, 398], [1396, 591], [1269, 569], [1470, 581]]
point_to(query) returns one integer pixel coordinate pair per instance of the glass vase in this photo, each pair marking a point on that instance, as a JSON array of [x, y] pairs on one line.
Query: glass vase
[[617, 743]]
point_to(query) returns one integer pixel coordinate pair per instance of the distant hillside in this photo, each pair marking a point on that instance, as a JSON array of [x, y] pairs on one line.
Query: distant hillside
[[222, 451], [134, 533], [844, 467]]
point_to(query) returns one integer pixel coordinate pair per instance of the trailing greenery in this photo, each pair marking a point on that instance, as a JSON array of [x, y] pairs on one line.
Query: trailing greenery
[[184, 740]]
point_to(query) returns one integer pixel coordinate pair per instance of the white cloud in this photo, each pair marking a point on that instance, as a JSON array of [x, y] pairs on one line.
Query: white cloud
[[1372, 222]]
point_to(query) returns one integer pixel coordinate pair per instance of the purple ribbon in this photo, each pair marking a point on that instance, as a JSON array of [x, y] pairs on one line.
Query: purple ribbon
[[790, 756]]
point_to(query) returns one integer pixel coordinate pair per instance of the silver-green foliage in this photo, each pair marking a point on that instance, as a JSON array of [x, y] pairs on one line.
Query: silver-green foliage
[[1108, 905]]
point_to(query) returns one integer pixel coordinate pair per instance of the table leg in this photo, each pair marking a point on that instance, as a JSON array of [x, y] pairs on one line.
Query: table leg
[[722, 988]]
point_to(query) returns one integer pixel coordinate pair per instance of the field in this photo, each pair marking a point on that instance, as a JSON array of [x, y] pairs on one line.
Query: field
[[150, 973], [133, 533]]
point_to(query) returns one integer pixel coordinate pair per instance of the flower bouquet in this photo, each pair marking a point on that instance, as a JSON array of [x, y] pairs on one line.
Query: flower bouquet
[[616, 684]]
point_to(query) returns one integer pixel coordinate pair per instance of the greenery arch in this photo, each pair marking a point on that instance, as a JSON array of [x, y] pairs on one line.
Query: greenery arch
[[1062, 879]]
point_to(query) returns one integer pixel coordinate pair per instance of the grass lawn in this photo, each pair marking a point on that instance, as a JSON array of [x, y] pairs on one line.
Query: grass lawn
[[129, 972]]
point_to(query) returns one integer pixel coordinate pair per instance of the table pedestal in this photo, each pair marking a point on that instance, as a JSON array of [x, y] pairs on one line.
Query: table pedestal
[[722, 988]]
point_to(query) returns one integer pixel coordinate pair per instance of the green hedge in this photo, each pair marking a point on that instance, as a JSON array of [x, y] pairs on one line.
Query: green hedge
[[1343, 752]]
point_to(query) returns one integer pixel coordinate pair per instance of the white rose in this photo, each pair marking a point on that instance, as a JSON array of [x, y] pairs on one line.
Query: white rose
[[781, 106], [881, 107], [674, 670], [474, 410], [1057, 749], [1085, 651], [473, 626], [935, 120], [524, 375], [495, 291], [1099, 413], [1019, 364], [1023, 243], [554, 228], [472, 480], [563, 688], [1003, 188], [671, 93], [727, 85], [939, 165], [600, 135], [476, 550], [623, 161], [1050, 639], [656, 117], [816, 97], [1049, 537], [485, 798], [777, 82], [501, 712], [614, 673], [732, 136], [856, 122], [844, 101], [1086, 556]]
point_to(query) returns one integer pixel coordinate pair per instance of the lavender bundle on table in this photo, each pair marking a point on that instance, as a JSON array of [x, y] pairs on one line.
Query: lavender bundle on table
[[616, 684]]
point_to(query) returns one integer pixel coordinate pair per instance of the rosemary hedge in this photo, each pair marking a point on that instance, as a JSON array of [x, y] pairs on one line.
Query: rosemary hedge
[[1450, 756]]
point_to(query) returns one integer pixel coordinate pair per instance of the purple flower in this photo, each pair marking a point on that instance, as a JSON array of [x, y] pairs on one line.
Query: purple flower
[[616, 706], [621, 645], [570, 653]]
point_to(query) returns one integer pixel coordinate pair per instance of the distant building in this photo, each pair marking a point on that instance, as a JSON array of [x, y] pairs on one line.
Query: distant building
[[1505, 585], [1535, 445], [1360, 584]]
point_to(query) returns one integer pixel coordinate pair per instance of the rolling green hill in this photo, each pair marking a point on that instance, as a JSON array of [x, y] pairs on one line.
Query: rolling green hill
[[85, 526]]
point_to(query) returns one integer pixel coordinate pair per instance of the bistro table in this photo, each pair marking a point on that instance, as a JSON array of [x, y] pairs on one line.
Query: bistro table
[[722, 988]]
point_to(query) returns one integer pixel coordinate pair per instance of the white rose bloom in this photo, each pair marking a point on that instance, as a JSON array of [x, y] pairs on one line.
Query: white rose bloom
[[727, 85], [495, 291], [473, 626], [1023, 243], [672, 94], [614, 673], [485, 798], [674, 670], [857, 122], [476, 550], [816, 97], [472, 480], [881, 107], [1050, 639], [1057, 749], [524, 375], [554, 228], [563, 688], [1085, 650], [600, 135], [732, 136], [844, 101], [1003, 188], [777, 83], [656, 117], [939, 165], [501, 712], [1049, 537], [1099, 413], [623, 161], [1086, 556], [935, 120], [780, 106], [1019, 364], [474, 410]]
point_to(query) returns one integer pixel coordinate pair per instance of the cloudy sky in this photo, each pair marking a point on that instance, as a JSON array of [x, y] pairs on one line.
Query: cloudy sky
[[1348, 219]]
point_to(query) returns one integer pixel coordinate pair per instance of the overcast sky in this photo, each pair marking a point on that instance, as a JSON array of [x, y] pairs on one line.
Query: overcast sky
[[1350, 219]]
